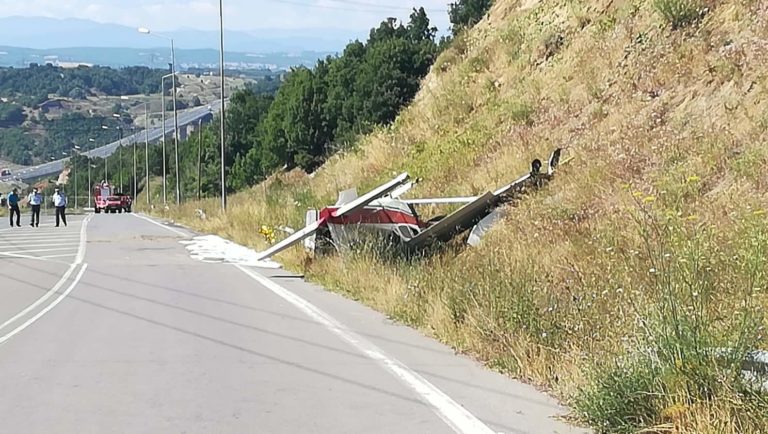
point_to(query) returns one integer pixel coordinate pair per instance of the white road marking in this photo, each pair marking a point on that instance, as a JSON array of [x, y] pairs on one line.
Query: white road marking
[[34, 258], [176, 231], [47, 309], [456, 416], [56, 256], [452, 413], [72, 243], [59, 284], [58, 249]]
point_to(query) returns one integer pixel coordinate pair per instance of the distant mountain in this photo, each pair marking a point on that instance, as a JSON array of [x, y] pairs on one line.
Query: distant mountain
[[156, 58], [46, 33]]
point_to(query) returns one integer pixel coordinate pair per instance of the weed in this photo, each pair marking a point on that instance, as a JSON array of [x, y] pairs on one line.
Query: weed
[[679, 13], [521, 112]]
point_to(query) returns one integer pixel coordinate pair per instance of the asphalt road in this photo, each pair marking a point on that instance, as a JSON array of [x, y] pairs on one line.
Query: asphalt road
[[108, 326], [185, 117]]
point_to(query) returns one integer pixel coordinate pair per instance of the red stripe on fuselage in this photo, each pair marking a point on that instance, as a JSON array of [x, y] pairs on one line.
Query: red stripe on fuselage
[[370, 216]]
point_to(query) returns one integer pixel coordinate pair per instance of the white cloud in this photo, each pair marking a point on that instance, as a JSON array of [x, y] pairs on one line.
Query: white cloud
[[239, 14]]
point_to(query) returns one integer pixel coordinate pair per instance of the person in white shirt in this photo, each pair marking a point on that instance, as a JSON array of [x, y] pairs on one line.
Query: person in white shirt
[[60, 202], [35, 199]]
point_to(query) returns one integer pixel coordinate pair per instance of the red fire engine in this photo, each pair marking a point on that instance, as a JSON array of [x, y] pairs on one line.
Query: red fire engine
[[107, 199]]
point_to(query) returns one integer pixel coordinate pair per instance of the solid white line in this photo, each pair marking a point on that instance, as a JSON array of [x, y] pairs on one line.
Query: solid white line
[[47, 309], [453, 414], [176, 231], [64, 278]]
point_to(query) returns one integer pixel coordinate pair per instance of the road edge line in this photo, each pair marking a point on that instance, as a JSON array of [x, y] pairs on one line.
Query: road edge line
[[176, 231], [451, 412], [78, 260]]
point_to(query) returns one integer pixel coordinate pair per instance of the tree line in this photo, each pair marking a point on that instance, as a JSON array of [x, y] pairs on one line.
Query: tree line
[[312, 113], [33, 85], [317, 111]]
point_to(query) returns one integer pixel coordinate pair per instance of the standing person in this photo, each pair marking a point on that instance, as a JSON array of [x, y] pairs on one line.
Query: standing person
[[13, 206], [60, 202], [35, 199]]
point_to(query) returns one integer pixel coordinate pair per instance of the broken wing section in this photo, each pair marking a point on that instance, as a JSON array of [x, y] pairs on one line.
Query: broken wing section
[[454, 224], [509, 193]]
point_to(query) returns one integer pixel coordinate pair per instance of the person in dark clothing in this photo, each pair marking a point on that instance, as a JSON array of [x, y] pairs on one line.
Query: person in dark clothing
[[13, 206]]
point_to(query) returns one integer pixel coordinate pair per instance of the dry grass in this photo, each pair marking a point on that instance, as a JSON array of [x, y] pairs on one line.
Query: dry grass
[[647, 248]]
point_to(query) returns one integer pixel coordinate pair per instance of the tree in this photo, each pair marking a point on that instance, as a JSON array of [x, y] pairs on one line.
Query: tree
[[196, 101], [11, 115], [467, 13]]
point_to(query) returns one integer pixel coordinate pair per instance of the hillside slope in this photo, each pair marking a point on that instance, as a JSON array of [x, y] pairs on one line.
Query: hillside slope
[[611, 286]]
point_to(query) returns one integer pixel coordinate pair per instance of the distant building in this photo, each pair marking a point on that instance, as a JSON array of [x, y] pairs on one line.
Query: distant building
[[52, 106]]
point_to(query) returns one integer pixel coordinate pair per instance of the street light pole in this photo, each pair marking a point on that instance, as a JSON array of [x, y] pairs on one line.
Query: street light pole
[[74, 170], [120, 156], [165, 185], [175, 123], [90, 184], [199, 156], [146, 151], [146, 31], [221, 73], [135, 168]]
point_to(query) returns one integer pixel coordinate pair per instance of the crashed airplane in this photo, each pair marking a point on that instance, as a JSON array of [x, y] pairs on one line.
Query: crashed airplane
[[383, 213]]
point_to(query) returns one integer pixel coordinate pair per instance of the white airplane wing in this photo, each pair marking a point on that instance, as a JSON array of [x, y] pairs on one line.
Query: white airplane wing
[[374, 194], [441, 200], [296, 238], [351, 206]]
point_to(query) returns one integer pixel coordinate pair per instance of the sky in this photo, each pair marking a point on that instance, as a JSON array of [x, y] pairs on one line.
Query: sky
[[243, 15]]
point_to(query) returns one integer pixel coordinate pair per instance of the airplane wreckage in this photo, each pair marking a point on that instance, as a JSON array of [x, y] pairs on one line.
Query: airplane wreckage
[[383, 213]]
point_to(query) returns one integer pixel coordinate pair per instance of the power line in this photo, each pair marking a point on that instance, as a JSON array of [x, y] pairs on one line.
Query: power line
[[369, 7]]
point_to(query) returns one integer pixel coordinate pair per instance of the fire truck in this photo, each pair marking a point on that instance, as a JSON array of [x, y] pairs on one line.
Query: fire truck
[[107, 199]]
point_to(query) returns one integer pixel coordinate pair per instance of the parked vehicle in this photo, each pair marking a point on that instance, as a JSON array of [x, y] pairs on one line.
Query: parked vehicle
[[108, 200]]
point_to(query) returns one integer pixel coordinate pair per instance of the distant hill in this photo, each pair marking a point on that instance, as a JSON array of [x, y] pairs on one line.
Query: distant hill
[[46, 33], [155, 57]]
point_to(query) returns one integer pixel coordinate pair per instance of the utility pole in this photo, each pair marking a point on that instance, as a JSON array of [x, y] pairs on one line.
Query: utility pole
[[146, 151], [135, 168], [165, 186], [120, 156], [74, 170], [90, 184], [199, 157], [221, 72], [175, 124]]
